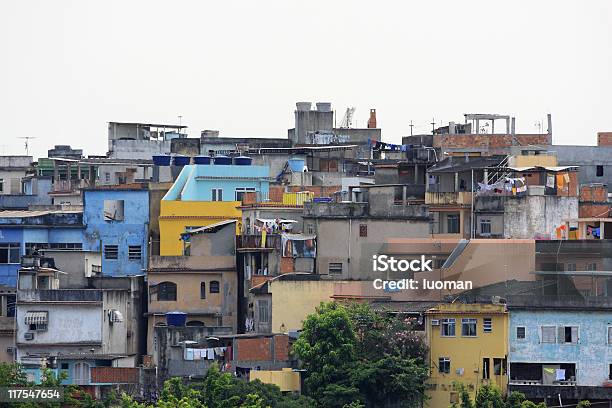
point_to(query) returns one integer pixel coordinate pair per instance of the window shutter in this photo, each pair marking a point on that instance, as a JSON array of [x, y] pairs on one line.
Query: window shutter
[[560, 334], [610, 335], [574, 334]]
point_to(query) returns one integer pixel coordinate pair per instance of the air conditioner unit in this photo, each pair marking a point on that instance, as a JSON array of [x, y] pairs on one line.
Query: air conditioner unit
[[28, 336], [498, 300], [435, 322], [10, 350]]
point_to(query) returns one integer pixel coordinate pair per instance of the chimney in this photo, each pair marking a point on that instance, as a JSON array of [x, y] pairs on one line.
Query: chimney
[[372, 120]]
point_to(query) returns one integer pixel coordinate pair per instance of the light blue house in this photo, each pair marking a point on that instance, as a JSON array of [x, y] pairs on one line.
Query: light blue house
[[117, 225], [23, 231], [220, 182], [560, 348]]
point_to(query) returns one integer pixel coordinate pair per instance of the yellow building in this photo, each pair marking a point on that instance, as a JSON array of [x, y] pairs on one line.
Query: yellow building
[[468, 345], [175, 217], [286, 379]]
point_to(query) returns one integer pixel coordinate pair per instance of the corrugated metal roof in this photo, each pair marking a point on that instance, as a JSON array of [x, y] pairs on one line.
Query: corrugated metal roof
[[209, 228]]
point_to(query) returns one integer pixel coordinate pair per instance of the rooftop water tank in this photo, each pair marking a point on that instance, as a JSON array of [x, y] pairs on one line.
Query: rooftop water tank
[[223, 160], [303, 106], [176, 318], [296, 165], [323, 106], [161, 160], [201, 160], [242, 161], [181, 160]]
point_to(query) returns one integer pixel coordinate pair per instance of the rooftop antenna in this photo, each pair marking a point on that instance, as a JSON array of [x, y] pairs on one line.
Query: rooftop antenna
[[27, 143], [180, 118], [433, 126], [411, 125]]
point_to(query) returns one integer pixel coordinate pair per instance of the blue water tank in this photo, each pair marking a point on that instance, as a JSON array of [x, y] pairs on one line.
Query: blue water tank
[[296, 165], [181, 160], [223, 160], [322, 200], [161, 160], [176, 318], [242, 161], [201, 160]]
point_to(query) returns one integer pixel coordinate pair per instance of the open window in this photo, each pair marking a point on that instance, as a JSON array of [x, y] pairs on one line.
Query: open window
[[113, 210]]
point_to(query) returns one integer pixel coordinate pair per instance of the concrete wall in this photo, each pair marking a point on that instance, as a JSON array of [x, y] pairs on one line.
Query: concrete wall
[[588, 158], [531, 216], [339, 241], [67, 325], [293, 300], [77, 265], [137, 149], [592, 354], [132, 230]]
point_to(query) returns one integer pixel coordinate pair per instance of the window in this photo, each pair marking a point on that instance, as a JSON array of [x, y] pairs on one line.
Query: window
[[610, 373], [113, 210], [609, 334], [487, 325], [468, 327], [64, 366], [111, 251], [37, 321], [134, 252], [486, 370], [107, 177], [444, 365], [549, 334], [310, 229], [1, 185], [452, 223], [240, 192], [599, 171], [520, 333], [81, 374], [9, 253], [570, 267], [485, 226], [591, 266], [214, 286], [447, 327], [166, 291], [203, 290], [363, 230], [217, 194], [335, 268], [568, 334], [498, 366], [264, 317]]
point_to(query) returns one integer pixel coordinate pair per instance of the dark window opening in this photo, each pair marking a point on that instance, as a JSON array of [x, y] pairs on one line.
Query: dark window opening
[[166, 291], [214, 286], [203, 290]]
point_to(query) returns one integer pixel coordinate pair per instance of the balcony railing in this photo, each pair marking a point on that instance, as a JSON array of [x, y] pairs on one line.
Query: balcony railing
[[60, 295], [69, 186], [251, 241], [451, 198]]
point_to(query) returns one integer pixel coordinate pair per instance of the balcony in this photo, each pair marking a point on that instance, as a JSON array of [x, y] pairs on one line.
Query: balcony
[[250, 241], [451, 198], [69, 186]]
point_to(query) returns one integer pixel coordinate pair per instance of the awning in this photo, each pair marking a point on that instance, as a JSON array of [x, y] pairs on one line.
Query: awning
[[116, 316], [36, 317]]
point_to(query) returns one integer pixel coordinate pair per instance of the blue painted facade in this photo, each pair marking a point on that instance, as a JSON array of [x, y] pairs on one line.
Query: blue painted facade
[[132, 230], [35, 228], [197, 181], [591, 354]]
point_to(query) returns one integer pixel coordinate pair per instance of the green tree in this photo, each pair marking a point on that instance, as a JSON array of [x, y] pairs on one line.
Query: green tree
[[489, 397]]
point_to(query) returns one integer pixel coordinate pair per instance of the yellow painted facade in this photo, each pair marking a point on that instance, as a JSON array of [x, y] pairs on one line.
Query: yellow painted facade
[[471, 358], [544, 160], [286, 379], [175, 216], [292, 301]]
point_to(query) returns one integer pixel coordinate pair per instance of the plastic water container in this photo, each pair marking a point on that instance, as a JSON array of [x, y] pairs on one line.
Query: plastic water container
[[181, 160], [176, 318], [223, 160], [242, 161], [161, 160], [296, 165], [201, 160]]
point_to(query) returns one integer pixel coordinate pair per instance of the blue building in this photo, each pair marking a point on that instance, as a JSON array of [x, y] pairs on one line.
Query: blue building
[[117, 225], [221, 181], [23, 231], [561, 350]]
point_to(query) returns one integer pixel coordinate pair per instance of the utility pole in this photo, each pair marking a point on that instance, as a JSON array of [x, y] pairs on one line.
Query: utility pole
[[411, 125], [433, 126]]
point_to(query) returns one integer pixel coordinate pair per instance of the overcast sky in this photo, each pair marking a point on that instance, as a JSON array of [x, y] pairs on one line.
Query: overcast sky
[[69, 67]]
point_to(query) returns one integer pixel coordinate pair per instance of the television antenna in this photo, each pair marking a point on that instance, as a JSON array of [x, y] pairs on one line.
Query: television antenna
[[27, 143]]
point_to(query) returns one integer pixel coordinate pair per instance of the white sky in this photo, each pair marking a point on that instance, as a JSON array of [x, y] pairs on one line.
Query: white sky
[[68, 67]]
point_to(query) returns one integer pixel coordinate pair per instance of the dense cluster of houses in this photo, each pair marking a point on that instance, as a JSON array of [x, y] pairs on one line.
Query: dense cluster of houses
[[171, 253]]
